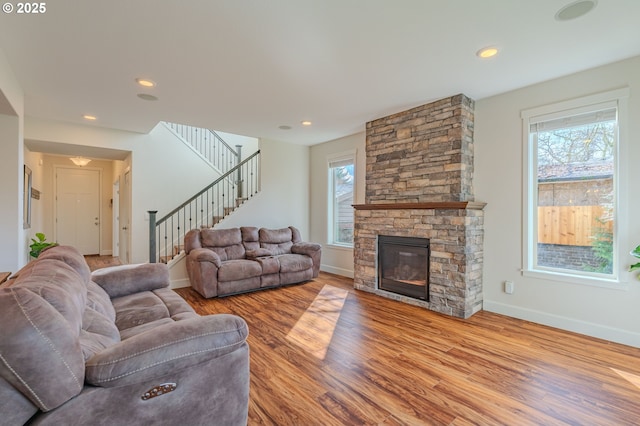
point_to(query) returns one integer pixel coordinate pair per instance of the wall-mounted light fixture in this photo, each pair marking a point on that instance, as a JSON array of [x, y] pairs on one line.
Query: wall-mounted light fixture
[[80, 161]]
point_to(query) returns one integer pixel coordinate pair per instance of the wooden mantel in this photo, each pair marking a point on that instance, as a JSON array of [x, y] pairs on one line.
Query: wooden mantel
[[444, 205]]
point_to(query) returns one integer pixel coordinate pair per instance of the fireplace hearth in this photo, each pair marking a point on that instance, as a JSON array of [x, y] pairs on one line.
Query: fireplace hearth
[[403, 266]]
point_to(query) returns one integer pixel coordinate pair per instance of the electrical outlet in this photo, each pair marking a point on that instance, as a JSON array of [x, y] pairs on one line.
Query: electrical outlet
[[508, 287]]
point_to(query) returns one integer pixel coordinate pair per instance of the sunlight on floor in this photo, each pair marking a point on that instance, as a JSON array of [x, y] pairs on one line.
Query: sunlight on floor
[[634, 379], [314, 329]]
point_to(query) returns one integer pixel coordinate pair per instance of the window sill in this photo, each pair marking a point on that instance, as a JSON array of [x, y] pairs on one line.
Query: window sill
[[335, 246], [611, 283]]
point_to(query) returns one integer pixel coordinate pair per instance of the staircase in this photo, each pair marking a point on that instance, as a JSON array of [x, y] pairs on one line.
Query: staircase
[[208, 145], [208, 207]]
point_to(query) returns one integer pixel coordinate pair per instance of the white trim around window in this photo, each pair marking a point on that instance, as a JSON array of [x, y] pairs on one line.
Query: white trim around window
[[617, 100], [346, 158]]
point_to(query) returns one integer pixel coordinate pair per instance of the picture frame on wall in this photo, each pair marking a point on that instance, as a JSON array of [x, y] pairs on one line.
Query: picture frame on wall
[[26, 222]]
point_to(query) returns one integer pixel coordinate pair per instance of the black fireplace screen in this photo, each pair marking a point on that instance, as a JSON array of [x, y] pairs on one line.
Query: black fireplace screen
[[403, 266]]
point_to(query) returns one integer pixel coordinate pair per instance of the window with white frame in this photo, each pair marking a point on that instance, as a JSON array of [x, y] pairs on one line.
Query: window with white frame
[[341, 195], [572, 208]]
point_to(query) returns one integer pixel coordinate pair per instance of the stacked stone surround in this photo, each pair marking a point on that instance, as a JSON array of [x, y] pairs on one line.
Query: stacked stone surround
[[424, 154], [419, 184]]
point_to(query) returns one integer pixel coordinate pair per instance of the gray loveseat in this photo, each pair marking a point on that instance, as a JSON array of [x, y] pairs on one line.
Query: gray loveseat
[[115, 347], [221, 262]]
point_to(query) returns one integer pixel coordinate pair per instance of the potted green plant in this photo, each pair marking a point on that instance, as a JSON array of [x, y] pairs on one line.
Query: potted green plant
[[635, 253], [40, 244]]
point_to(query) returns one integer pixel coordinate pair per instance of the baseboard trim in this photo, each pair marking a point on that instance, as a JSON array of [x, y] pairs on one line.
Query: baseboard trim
[[577, 326], [337, 271], [106, 252], [183, 282]]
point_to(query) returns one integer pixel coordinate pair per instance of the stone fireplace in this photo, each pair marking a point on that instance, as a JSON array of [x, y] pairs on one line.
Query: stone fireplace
[[419, 185]]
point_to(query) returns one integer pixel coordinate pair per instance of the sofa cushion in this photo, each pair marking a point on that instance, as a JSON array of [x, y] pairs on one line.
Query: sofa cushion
[[175, 304], [42, 316], [294, 262], [278, 241], [60, 286], [71, 256], [138, 308], [240, 269], [250, 237], [98, 332], [99, 300], [227, 243], [132, 331]]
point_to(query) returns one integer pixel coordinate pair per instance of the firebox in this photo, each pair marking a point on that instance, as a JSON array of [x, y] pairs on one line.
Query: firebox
[[403, 266]]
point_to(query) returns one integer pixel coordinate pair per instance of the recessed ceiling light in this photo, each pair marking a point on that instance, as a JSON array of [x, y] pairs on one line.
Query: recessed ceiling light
[[284, 127], [89, 117], [487, 52], [575, 10], [147, 97], [305, 123], [145, 82]]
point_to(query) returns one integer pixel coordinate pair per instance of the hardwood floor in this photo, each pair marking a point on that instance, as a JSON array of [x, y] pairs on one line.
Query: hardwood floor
[[97, 262], [323, 353]]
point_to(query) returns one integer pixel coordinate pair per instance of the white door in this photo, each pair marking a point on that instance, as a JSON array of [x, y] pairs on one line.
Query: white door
[[78, 209]]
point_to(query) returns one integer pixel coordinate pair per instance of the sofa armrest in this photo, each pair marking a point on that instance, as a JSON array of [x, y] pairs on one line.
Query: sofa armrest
[[205, 255], [123, 280], [305, 248], [313, 250], [169, 347], [202, 268]]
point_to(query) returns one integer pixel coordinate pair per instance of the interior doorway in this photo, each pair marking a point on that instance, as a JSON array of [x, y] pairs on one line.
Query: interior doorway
[[115, 208], [77, 208], [125, 215]]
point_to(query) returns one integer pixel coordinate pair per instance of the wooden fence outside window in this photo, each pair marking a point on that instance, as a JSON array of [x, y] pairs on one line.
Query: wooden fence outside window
[[571, 225]]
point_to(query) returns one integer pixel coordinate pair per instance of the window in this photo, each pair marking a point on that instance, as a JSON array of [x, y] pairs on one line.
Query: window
[[341, 196], [572, 206]]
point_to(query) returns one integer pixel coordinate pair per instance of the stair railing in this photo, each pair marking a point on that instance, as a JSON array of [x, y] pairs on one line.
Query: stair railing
[[204, 210], [209, 145]]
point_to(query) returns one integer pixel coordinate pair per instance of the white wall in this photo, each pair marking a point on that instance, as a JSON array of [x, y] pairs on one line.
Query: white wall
[[13, 245], [249, 144], [284, 198], [337, 260], [596, 311], [35, 161]]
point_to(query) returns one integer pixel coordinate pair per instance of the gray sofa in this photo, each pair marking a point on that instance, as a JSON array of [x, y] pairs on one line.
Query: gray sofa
[[115, 347], [222, 262]]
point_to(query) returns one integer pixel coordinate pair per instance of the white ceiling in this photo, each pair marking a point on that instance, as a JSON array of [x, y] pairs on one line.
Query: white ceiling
[[250, 66]]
